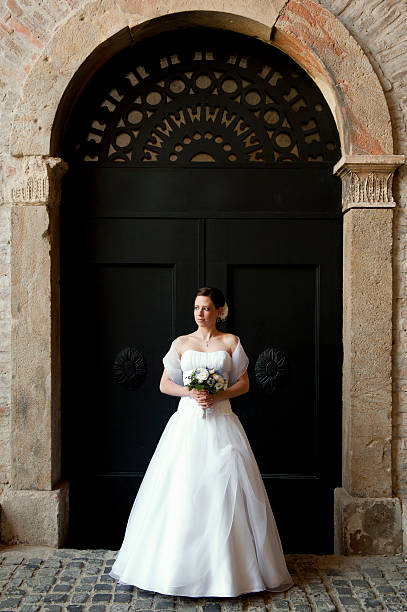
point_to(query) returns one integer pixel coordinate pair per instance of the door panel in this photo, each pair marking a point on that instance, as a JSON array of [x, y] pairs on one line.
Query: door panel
[[201, 191], [264, 300], [283, 282], [133, 288]]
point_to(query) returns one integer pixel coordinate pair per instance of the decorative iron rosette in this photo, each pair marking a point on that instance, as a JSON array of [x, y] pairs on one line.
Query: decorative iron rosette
[[271, 369], [129, 368]]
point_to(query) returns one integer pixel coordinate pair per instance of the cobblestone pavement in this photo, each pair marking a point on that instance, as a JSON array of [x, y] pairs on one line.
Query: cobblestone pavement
[[54, 580]]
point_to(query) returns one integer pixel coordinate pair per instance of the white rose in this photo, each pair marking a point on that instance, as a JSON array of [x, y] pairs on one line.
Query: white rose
[[201, 375], [219, 386]]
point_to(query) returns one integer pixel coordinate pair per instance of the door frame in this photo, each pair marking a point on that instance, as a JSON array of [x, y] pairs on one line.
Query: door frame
[[366, 168]]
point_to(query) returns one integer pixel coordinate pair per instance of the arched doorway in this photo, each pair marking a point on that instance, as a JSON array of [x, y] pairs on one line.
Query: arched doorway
[[202, 157]]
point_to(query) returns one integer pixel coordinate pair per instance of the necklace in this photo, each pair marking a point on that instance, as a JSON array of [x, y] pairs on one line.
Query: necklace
[[207, 341]]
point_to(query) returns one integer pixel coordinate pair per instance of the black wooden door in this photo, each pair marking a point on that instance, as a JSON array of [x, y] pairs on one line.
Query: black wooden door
[[283, 279], [130, 282], [261, 221], [118, 293]]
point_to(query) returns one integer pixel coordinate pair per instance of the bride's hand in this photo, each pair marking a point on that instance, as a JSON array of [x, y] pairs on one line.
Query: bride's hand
[[209, 400], [199, 396]]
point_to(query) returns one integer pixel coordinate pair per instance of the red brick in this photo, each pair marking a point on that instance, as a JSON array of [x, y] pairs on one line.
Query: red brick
[[6, 28], [4, 410], [21, 29], [14, 8]]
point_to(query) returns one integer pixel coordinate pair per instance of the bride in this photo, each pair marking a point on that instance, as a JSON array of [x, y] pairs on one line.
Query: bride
[[201, 524]]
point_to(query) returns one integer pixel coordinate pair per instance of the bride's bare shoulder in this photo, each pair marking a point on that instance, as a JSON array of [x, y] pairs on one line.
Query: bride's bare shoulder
[[231, 341], [181, 342]]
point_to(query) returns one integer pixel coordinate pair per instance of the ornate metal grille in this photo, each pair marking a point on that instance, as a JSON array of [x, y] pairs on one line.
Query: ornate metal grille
[[203, 97]]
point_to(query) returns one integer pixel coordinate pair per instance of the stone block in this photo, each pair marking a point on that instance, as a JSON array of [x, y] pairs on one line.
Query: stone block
[[4, 304], [34, 517], [250, 20], [367, 344], [35, 427], [367, 526], [404, 522], [315, 39], [4, 447]]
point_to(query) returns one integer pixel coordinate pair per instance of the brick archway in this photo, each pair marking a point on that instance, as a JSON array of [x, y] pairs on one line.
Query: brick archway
[[314, 38]]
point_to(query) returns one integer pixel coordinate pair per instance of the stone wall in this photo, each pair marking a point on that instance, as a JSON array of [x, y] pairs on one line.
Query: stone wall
[[26, 31], [380, 28]]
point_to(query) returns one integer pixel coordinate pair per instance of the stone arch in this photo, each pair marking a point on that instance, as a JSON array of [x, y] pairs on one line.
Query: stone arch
[[321, 45], [310, 34]]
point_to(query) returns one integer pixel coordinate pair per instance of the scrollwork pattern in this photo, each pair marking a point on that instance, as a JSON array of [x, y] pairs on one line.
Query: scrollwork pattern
[[206, 104]]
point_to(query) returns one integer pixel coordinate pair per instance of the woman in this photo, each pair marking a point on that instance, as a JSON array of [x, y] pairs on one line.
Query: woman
[[201, 524]]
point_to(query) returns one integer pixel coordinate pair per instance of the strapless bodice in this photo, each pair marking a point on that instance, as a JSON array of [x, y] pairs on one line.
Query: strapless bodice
[[219, 360]]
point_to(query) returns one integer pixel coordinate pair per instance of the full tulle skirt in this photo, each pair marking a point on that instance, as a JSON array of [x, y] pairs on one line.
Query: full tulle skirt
[[201, 524]]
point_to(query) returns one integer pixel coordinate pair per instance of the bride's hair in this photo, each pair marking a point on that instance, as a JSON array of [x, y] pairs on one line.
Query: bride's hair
[[215, 294]]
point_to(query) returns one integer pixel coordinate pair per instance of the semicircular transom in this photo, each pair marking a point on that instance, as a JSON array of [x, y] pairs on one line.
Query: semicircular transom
[[190, 97]]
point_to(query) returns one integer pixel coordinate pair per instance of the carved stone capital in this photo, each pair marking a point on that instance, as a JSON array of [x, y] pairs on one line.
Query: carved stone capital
[[37, 181], [367, 180]]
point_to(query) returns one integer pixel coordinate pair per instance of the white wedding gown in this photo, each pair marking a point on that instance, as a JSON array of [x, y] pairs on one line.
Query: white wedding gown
[[201, 524]]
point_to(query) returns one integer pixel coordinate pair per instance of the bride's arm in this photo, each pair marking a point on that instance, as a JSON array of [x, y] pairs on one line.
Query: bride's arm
[[169, 387], [240, 387]]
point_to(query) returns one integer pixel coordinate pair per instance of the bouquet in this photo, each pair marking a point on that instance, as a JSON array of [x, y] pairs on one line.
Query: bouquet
[[209, 379]]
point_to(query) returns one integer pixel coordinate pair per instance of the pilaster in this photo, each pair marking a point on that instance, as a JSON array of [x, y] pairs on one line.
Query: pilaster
[[35, 385], [367, 204]]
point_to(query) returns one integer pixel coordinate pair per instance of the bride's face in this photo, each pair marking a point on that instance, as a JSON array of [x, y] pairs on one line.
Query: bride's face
[[205, 312]]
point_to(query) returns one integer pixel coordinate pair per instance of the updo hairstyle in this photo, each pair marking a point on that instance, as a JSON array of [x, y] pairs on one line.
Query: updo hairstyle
[[215, 294]]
